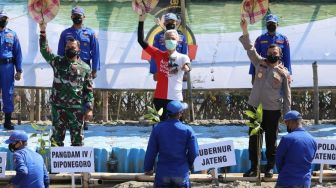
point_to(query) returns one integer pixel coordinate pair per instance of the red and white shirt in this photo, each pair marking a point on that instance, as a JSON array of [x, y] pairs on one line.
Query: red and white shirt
[[169, 78]]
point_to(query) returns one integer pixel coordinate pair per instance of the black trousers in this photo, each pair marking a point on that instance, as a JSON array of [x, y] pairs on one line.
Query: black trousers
[[161, 103], [269, 124]]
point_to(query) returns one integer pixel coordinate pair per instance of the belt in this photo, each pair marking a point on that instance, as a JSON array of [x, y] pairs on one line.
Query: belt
[[6, 60]]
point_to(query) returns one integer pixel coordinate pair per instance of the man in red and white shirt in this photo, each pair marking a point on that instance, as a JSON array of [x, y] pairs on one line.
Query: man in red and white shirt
[[171, 66]]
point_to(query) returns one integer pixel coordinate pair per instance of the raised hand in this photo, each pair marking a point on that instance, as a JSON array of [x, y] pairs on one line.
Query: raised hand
[[243, 26]]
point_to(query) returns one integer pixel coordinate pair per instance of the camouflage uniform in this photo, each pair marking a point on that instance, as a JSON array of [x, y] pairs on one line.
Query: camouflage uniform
[[72, 95]]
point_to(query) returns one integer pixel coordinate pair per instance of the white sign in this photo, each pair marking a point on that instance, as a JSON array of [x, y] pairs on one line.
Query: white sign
[[3, 160], [215, 155], [326, 152], [72, 159]]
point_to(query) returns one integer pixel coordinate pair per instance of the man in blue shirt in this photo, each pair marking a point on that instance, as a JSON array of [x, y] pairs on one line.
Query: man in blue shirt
[[170, 21], [272, 37], [89, 47], [29, 165], [10, 58], [295, 154], [176, 145]]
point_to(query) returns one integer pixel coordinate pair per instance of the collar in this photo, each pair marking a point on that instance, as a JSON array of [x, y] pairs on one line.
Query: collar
[[299, 129]]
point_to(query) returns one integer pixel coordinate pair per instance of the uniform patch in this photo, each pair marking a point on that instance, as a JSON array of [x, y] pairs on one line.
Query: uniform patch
[[279, 42], [264, 42]]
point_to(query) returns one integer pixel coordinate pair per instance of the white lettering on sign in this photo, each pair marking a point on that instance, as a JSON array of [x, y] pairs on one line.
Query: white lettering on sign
[[326, 152], [215, 155], [72, 159], [3, 160]]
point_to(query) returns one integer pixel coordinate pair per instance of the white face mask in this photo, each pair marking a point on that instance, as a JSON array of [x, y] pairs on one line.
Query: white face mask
[[170, 44]]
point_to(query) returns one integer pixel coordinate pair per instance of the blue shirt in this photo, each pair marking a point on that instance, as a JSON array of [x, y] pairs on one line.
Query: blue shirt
[[176, 146], [30, 169], [10, 48], [262, 42], [294, 157], [159, 42], [88, 45]]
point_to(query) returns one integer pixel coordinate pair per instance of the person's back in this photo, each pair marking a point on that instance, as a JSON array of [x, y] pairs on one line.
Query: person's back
[[173, 137], [175, 145], [300, 150], [33, 175]]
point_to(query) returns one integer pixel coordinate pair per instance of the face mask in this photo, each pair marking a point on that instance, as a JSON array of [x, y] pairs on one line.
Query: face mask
[[11, 147], [77, 20], [170, 44], [289, 130], [272, 59], [3, 23], [271, 28], [170, 26], [70, 53]]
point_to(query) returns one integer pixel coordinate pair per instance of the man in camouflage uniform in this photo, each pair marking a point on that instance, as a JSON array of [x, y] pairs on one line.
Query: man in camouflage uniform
[[72, 92]]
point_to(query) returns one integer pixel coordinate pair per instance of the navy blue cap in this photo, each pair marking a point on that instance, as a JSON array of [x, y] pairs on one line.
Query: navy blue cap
[[3, 13], [170, 16], [78, 10], [272, 18], [174, 107], [292, 115], [17, 136]]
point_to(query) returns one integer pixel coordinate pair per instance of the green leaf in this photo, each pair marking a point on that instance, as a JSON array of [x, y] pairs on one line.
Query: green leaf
[[151, 110], [250, 114], [160, 112], [45, 134], [33, 135], [157, 119], [259, 113], [251, 125], [255, 131], [34, 126]]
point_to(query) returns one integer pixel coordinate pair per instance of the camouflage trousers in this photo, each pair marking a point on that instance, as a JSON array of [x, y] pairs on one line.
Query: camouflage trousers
[[63, 119]]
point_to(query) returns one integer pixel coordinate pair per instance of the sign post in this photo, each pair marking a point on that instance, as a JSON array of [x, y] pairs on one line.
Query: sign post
[[215, 155], [325, 154], [72, 160]]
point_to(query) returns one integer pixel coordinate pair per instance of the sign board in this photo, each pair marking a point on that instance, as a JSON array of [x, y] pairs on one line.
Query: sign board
[[72, 159], [215, 155], [326, 152], [3, 160]]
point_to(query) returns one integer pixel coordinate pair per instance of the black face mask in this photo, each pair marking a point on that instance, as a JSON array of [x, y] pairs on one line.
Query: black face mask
[[77, 20], [70, 53], [3, 23], [272, 59], [11, 147], [271, 28], [170, 26]]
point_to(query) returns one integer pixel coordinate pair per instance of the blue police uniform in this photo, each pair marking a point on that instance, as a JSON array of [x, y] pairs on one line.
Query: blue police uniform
[[176, 145], [294, 157], [29, 165], [159, 42], [89, 47], [30, 170], [262, 43], [10, 58]]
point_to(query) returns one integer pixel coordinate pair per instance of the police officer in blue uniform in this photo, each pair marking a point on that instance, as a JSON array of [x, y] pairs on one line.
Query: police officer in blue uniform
[[10, 59], [176, 145], [295, 154], [272, 37], [88, 41], [89, 46], [29, 165], [170, 21]]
